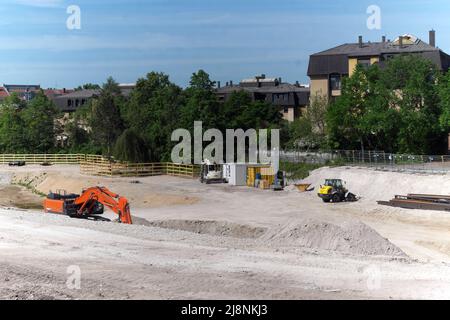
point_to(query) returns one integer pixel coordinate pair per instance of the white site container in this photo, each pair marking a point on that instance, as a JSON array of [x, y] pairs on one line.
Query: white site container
[[235, 174]]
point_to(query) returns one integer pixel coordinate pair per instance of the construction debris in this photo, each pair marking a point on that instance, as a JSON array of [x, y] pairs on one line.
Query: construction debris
[[419, 201]]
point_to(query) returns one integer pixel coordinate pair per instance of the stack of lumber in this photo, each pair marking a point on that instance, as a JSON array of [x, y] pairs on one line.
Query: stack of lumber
[[420, 201]]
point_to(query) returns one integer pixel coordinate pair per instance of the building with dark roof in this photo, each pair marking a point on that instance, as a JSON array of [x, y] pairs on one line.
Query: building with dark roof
[[24, 92], [73, 100], [290, 99], [327, 68], [53, 93]]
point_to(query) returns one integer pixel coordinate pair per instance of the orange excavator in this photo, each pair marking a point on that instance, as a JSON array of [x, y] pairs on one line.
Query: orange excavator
[[89, 205]]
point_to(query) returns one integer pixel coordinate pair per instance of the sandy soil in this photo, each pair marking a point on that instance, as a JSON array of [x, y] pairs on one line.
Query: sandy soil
[[196, 241]]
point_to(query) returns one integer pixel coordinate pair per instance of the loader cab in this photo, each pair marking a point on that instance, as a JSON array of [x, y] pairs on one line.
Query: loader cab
[[335, 183]]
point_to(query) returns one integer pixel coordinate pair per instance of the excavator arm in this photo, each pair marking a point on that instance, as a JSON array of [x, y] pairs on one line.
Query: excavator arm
[[86, 202]]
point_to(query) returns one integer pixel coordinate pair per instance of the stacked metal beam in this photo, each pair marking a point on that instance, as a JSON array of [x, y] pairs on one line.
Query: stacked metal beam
[[420, 201]]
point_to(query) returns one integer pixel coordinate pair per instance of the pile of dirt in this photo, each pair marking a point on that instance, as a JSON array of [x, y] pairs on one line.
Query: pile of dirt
[[353, 238], [216, 228], [374, 185]]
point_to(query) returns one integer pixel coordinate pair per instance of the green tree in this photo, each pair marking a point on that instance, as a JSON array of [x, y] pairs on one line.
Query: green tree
[[130, 147], [78, 137], [14, 100], [413, 80], [112, 86], [40, 123], [105, 121], [88, 86], [344, 115], [394, 109], [13, 137], [201, 103], [308, 131], [153, 110], [240, 111], [444, 98]]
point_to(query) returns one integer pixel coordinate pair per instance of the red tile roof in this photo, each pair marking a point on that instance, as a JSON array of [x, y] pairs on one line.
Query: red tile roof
[[3, 93]]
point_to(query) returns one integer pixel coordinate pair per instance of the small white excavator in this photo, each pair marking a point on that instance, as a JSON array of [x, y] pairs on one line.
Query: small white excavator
[[211, 173]]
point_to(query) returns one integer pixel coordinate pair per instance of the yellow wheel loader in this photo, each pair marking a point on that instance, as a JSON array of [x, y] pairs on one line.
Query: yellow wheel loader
[[334, 191]]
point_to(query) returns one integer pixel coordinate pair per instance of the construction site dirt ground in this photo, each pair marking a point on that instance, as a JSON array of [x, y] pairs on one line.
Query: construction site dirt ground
[[194, 241]]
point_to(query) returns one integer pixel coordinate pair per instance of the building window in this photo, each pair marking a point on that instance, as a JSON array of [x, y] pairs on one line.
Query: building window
[[335, 82], [286, 109], [365, 63], [69, 103], [276, 97]]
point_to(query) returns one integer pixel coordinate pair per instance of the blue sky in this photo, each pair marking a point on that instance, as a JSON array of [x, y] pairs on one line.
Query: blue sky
[[231, 39]]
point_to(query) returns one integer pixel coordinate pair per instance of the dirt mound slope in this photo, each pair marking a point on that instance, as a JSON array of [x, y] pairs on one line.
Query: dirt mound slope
[[216, 228], [353, 238], [374, 185]]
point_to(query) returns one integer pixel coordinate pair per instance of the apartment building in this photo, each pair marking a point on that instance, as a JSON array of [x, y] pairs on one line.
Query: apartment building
[[72, 101], [291, 99], [327, 68]]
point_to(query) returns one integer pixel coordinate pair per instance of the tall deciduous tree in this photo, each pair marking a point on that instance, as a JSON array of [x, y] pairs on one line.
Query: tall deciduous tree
[[414, 80], [395, 108], [111, 86], [13, 137], [308, 131], [39, 117], [201, 103], [131, 147], [153, 111], [105, 121]]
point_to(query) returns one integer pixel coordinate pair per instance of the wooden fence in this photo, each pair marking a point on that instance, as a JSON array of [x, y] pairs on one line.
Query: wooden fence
[[103, 167], [44, 158], [98, 165]]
